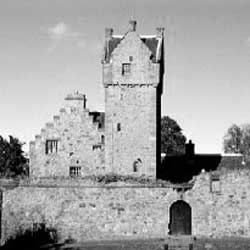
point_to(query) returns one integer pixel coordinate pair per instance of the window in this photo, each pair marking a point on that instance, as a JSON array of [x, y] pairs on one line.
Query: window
[[118, 127], [126, 69], [102, 139], [136, 165], [74, 171], [131, 58], [51, 146], [215, 186]]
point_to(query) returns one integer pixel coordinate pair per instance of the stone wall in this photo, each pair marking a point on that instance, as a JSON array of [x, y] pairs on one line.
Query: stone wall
[[79, 142], [87, 211]]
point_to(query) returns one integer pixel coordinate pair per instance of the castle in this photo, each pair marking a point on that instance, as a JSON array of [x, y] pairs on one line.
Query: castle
[[123, 141]]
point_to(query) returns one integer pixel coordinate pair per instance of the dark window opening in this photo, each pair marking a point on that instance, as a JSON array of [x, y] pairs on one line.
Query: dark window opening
[[102, 139], [51, 146], [126, 69], [74, 171], [96, 146], [118, 127], [136, 165], [131, 58]]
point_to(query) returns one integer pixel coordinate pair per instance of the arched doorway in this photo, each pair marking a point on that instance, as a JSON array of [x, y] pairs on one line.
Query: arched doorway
[[180, 218]]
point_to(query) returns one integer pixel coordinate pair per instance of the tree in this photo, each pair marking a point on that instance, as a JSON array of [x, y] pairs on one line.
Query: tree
[[237, 140], [12, 160], [232, 140], [172, 139]]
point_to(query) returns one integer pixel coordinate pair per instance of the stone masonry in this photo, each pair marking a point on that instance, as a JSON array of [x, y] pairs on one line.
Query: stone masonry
[[132, 77], [76, 144], [73, 144], [90, 211]]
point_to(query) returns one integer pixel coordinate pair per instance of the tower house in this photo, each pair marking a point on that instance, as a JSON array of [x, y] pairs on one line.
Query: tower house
[[133, 68]]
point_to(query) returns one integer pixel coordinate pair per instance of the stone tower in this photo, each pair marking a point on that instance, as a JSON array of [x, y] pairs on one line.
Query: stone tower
[[133, 68]]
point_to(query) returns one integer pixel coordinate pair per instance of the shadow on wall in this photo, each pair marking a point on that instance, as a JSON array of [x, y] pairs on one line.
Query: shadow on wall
[[31, 239], [181, 168]]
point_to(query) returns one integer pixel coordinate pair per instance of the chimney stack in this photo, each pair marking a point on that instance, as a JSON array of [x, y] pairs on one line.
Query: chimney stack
[[132, 25], [159, 32], [108, 33], [189, 148]]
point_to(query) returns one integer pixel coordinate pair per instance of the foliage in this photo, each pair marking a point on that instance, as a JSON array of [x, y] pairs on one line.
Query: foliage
[[172, 139], [12, 160], [31, 239], [237, 140]]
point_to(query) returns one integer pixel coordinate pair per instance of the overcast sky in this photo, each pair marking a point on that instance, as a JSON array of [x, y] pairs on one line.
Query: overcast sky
[[49, 48]]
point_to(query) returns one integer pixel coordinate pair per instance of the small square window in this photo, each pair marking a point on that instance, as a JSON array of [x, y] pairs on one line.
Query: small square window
[[131, 58], [118, 127], [126, 69], [51, 146], [74, 171]]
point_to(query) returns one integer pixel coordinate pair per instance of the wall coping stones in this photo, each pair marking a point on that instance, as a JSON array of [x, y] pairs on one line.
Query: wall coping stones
[[87, 183]]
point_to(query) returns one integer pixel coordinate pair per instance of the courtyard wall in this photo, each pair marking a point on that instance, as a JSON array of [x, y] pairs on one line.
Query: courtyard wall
[[91, 211]]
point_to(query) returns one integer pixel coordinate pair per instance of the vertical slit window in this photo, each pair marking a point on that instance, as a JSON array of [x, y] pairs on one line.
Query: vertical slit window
[[102, 139], [118, 127]]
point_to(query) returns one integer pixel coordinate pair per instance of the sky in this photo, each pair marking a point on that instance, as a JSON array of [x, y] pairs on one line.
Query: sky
[[50, 48]]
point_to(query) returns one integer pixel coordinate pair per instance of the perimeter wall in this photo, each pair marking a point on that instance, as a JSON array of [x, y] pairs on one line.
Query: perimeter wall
[[91, 211]]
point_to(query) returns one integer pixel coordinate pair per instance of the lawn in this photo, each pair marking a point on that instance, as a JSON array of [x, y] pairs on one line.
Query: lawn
[[199, 244]]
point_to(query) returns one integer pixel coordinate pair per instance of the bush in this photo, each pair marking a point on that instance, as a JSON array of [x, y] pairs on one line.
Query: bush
[[31, 239]]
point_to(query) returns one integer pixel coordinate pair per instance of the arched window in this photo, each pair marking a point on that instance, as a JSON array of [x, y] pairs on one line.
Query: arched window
[[136, 165]]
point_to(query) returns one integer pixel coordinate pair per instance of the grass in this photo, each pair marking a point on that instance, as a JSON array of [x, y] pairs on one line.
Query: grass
[[41, 239], [199, 244]]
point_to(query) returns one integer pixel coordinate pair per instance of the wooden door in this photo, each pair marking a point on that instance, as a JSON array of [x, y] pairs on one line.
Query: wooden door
[[180, 218]]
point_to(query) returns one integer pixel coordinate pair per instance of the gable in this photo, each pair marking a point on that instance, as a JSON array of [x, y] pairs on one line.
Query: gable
[[150, 42]]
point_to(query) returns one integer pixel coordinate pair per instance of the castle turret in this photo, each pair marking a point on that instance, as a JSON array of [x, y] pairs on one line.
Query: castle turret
[[133, 68]]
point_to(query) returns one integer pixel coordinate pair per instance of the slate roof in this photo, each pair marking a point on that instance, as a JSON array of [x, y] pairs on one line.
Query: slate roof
[[150, 42]]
